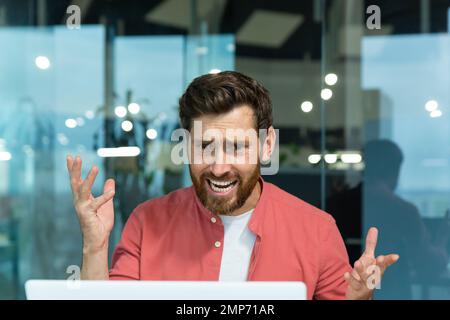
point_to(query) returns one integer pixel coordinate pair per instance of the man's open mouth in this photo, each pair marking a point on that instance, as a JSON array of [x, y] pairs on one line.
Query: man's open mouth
[[221, 186]]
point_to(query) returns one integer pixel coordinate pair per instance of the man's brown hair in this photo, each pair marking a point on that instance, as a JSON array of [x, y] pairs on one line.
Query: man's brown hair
[[220, 93]]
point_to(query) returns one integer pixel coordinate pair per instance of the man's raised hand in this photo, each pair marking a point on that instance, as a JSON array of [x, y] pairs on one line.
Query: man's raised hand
[[96, 214], [368, 270]]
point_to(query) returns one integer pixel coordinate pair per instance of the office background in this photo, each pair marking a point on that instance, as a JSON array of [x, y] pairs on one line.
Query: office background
[[362, 109]]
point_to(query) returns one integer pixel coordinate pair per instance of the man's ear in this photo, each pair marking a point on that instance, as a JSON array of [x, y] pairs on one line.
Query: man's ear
[[268, 145]]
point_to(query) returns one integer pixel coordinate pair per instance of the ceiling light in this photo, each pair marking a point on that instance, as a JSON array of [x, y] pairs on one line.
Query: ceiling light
[[326, 94]]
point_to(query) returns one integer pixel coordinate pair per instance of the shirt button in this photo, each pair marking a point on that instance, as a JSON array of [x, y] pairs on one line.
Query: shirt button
[[213, 220], [217, 244]]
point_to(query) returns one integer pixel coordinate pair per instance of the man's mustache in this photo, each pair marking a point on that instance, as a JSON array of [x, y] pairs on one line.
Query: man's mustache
[[225, 177]]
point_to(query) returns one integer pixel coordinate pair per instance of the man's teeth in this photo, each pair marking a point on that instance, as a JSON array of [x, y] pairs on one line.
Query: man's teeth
[[221, 183], [221, 186]]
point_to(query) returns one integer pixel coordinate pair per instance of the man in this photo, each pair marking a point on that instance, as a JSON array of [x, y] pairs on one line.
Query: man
[[231, 224]]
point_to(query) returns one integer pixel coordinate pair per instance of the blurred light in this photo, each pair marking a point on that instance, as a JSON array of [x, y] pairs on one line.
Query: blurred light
[[71, 123], [341, 166], [28, 150], [127, 125], [62, 139], [89, 114], [431, 105], [134, 108], [80, 121], [359, 166], [351, 158], [42, 62], [81, 148], [162, 116], [2, 142], [314, 158], [5, 156], [201, 50], [151, 133], [231, 47], [331, 79], [326, 94], [118, 152], [330, 158], [120, 111], [214, 71], [306, 106], [436, 113]]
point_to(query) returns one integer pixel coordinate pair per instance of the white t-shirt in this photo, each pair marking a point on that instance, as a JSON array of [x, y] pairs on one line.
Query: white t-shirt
[[237, 247]]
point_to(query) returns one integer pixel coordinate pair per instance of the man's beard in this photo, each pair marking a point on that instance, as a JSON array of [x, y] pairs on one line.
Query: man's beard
[[223, 205]]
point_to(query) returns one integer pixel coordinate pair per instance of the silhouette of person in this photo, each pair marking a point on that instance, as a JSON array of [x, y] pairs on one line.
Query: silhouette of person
[[399, 222]]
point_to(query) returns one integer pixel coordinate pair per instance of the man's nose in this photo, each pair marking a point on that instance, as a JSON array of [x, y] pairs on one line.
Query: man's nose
[[220, 165], [220, 169]]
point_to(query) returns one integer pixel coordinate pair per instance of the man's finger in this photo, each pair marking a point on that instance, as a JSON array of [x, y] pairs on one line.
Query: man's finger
[[74, 182], [354, 283], [361, 270], [69, 162], [371, 242], [355, 275], [76, 169], [86, 187], [109, 184], [101, 200], [367, 260], [383, 262]]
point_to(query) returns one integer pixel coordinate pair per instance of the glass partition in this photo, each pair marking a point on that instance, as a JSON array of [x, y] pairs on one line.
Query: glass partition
[[48, 111], [53, 87], [392, 62]]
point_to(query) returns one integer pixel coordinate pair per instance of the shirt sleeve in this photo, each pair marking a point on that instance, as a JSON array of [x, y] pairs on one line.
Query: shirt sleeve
[[126, 257], [334, 262]]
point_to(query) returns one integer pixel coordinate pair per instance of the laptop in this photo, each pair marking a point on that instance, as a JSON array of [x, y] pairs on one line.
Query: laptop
[[163, 290]]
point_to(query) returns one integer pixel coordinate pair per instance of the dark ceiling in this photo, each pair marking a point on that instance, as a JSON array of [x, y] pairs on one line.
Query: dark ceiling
[[403, 15]]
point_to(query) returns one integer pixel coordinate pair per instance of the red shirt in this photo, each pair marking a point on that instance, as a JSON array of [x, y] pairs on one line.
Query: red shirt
[[176, 238]]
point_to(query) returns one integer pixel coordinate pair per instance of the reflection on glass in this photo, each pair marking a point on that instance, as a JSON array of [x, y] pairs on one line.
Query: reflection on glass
[[407, 182], [51, 109], [402, 229]]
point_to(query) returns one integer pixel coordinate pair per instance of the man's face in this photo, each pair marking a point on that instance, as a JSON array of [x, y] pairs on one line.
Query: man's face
[[229, 168]]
